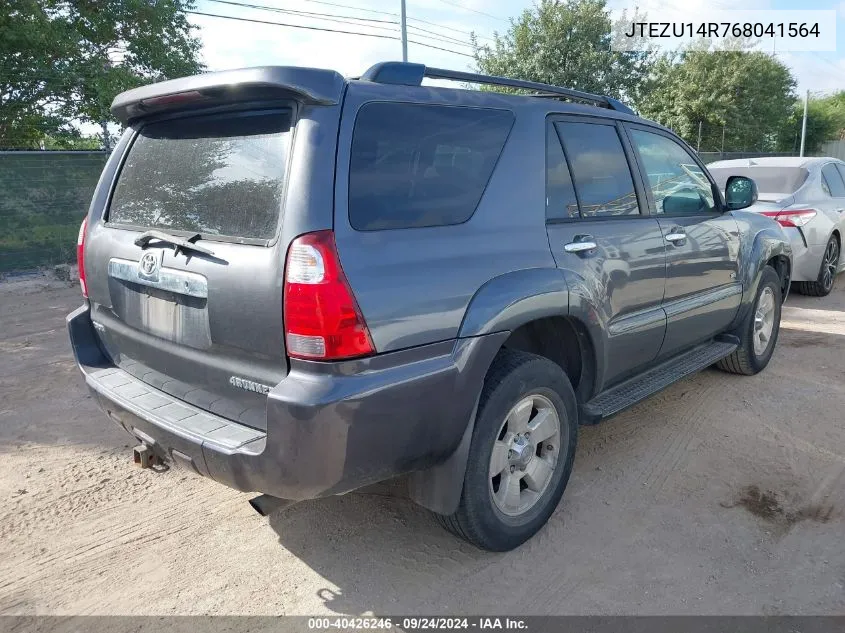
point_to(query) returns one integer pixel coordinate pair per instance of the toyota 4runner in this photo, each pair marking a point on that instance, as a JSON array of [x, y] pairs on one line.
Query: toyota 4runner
[[298, 284]]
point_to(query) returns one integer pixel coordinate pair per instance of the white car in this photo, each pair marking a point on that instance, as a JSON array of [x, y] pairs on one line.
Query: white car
[[807, 197]]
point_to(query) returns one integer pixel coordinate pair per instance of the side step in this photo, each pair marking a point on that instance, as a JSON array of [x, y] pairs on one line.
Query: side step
[[630, 392]]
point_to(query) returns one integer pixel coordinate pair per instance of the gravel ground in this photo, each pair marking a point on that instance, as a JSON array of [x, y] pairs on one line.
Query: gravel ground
[[723, 494]]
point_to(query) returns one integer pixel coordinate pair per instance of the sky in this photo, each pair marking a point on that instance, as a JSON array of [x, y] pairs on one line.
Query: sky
[[445, 24]]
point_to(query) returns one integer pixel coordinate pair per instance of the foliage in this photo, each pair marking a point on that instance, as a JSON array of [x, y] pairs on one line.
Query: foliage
[[65, 60], [747, 95], [566, 43], [825, 122]]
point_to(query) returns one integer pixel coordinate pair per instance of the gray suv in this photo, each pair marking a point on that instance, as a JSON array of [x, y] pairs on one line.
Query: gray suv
[[298, 284]]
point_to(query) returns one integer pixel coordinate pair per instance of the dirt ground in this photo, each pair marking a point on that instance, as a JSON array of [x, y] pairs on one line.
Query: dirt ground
[[723, 494]]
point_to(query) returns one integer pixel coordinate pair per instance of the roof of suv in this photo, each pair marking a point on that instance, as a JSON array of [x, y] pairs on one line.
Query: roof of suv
[[325, 87]]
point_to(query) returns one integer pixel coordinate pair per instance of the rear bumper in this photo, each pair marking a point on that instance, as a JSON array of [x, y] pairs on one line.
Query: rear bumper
[[331, 427]]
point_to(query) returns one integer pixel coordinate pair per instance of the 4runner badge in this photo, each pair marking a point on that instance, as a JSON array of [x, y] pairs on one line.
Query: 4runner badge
[[249, 385]]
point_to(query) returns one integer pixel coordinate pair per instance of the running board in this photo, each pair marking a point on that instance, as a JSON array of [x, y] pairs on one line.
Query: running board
[[630, 392]]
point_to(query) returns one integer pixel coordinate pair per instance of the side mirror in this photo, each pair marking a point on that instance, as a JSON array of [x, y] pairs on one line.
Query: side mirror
[[740, 193]]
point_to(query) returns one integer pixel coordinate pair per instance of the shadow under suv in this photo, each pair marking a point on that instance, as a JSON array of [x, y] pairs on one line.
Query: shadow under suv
[[299, 284]]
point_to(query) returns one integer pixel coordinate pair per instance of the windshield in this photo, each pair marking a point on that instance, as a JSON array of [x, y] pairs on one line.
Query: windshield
[[785, 180], [220, 175]]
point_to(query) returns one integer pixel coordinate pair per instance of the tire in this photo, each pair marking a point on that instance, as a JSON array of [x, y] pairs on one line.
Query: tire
[[748, 359], [516, 513], [827, 272]]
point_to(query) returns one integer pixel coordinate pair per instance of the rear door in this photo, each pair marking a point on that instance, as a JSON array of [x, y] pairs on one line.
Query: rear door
[[833, 185], [839, 209], [203, 327], [602, 236], [702, 242]]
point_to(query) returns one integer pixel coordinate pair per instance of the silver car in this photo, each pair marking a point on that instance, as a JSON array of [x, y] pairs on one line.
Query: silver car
[[807, 197]]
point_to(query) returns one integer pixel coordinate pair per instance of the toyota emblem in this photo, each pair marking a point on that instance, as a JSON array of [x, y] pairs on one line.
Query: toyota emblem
[[148, 265]]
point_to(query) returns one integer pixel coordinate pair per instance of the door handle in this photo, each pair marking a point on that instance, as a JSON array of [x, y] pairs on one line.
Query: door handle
[[581, 244], [676, 237]]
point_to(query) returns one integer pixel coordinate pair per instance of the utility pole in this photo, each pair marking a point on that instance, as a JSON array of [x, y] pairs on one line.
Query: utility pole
[[698, 145], [404, 28], [804, 122], [104, 126], [723, 140]]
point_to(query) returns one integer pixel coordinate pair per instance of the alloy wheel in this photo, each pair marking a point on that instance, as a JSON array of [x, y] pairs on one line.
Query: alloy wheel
[[830, 262], [524, 455], [764, 321]]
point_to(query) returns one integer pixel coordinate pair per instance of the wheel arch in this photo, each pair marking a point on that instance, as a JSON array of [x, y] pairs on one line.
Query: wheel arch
[[533, 308], [767, 246]]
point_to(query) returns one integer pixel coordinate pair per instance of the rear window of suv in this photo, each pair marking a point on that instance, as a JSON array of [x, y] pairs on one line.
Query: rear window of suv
[[418, 165], [218, 176]]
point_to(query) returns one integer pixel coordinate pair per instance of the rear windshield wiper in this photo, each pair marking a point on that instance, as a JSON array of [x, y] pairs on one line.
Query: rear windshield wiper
[[178, 243]]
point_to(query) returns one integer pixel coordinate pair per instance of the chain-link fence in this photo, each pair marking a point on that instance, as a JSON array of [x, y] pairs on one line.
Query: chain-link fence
[[43, 197]]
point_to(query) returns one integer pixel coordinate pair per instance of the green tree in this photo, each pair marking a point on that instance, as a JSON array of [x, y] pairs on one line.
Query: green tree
[[63, 61], [740, 98], [567, 43], [825, 122]]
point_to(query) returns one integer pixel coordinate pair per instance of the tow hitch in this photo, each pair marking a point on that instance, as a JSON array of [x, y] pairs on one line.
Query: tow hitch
[[144, 457]]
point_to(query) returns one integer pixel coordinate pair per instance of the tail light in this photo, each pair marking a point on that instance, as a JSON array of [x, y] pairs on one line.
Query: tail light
[[80, 257], [322, 319], [791, 217], [179, 97]]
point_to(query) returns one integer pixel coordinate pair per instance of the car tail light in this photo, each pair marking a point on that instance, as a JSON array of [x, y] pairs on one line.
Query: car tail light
[[322, 319], [792, 217], [80, 257]]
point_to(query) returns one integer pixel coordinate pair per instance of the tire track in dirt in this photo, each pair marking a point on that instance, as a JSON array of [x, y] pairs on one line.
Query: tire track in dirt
[[685, 425]]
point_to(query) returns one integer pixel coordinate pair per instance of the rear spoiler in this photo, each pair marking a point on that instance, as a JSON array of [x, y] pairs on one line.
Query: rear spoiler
[[306, 85]]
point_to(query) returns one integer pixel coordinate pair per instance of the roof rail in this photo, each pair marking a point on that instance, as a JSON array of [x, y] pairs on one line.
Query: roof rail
[[410, 74]]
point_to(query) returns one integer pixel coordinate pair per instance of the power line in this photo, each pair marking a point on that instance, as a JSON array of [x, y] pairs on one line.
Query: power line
[[313, 14], [377, 27], [293, 26], [317, 28], [396, 15], [347, 6], [344, 19], [836, 67], [441, 37], [460, 6], [450, 28]]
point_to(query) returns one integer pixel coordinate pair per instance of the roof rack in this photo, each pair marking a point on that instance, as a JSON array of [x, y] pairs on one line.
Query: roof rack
[[410, 74]]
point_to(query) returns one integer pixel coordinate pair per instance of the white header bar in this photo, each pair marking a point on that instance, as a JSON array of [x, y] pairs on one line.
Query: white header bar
[[778, 30]]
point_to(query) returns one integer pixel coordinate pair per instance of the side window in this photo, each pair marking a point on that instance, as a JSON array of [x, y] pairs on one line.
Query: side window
[[561, 202], [418, 165], [831, 176], [841, 169], [678, 185], [825, 186], [600, 169]]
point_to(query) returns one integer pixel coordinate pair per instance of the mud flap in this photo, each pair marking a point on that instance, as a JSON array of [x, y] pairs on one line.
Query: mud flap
[[439, 488]]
